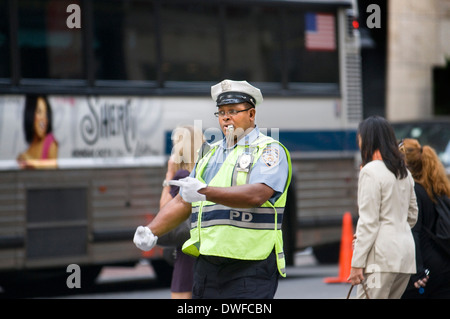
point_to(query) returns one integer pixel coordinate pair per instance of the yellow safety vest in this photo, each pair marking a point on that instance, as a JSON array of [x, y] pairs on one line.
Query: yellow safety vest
[[239, 233]]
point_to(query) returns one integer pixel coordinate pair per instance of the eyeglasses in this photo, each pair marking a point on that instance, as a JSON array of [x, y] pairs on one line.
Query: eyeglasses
[[230, 112]]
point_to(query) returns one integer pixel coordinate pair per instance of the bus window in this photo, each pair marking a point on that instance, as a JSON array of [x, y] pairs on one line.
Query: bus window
[[190, 42], [253, 43], [124, 31], [311, 62], [48, 48], [4, 41]]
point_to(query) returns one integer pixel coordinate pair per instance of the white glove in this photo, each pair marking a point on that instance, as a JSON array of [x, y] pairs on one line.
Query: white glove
[[144, 238], [189, 189]]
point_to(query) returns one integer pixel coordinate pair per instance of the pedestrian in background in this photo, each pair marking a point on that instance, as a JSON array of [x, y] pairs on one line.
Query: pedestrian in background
[[186, 142], [383, 257], [430, 181]]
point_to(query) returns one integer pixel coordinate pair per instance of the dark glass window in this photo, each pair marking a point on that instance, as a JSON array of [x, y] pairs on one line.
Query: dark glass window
[[49, 49], [253, 43], [316, 62], [5, 66], [172, 43], [190, 42], [124, 40]]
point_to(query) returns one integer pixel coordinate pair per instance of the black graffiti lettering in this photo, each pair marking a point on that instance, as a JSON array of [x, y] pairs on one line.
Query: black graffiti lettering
[[89, 126], [126, 124], [107, 120]]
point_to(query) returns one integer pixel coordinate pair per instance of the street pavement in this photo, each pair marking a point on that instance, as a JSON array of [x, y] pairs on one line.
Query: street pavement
[[305, 280]]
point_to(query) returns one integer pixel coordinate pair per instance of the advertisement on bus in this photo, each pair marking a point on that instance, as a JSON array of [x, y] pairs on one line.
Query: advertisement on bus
[[79, 131]]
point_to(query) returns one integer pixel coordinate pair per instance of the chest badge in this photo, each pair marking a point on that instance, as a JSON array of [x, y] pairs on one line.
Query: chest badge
[[245, 161]]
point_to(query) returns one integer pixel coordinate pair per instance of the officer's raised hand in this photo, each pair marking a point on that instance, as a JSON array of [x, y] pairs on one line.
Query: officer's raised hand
[[189, 189]]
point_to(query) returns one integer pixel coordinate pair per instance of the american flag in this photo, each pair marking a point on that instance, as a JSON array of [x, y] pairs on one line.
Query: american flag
[[320, 32]]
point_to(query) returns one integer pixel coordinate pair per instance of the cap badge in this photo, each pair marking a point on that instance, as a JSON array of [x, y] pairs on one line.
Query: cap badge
[[226, 86]]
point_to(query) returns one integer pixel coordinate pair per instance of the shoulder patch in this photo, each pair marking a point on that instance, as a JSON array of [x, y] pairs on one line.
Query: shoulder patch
[[271, 156]]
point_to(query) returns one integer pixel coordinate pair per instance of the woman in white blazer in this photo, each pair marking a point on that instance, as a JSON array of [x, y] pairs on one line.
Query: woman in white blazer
[[384, 252]]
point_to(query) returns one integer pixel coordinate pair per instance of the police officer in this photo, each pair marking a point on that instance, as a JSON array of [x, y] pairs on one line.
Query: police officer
[[236, 196]]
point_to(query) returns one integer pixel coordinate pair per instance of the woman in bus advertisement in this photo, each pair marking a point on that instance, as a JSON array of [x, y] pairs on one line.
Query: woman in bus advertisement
[[42, 149]]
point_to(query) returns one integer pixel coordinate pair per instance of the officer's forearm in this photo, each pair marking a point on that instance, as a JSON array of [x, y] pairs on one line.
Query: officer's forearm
[[243, 196], [170, 216]]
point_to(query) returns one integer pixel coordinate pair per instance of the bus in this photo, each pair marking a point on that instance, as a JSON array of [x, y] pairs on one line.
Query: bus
[[120, 75]]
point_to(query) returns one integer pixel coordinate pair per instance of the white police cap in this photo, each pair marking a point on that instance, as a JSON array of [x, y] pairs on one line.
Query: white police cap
[[233, 92]]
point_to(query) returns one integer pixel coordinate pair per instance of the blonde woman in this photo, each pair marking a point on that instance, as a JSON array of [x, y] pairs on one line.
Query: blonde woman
[[187, 140]]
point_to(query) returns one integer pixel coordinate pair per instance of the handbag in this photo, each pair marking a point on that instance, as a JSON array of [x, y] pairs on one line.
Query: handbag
[[365, 292]]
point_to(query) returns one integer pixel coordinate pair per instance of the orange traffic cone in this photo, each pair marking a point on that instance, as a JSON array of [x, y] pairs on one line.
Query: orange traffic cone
[[346, 251]]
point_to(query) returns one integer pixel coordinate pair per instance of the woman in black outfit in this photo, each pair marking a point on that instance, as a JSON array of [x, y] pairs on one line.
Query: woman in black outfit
[[430, 180]]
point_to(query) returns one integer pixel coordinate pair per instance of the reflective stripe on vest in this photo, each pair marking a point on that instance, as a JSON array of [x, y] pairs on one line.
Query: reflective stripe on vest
[[251, 218]]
